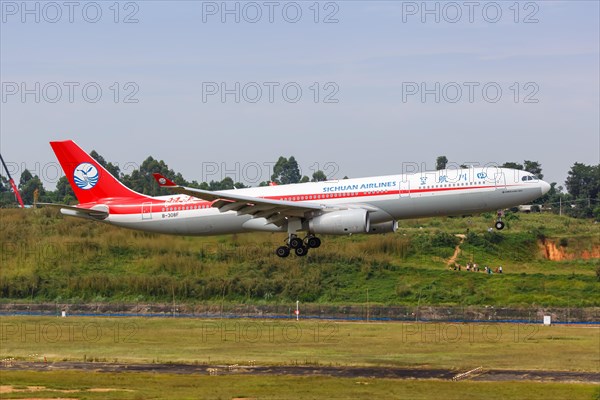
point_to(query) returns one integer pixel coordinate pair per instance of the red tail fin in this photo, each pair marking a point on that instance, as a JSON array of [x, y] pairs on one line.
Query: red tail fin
[[89, 180]]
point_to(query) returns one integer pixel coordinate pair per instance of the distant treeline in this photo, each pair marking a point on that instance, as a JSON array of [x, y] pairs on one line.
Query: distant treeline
[[578, 198]]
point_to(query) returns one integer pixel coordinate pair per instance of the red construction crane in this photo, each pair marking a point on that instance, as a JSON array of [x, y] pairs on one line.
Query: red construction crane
[[12, 183]]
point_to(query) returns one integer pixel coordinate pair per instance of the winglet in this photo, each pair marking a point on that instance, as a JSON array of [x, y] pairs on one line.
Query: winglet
[[162, 181]]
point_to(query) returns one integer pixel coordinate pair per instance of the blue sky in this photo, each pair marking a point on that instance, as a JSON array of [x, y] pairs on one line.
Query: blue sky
[[367, 61]]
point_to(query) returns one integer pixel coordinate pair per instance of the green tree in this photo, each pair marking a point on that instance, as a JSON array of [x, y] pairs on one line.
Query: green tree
[[293, 171], [530, 166], [534, 167], [7, 198], [141, 180], [26, 176], [582, 180], [4, 185], [286, 171], [441, 162], [319, 176], [596, 212], [28, 184], [512, 165], [225, 184], [64, 192], [583, 184]]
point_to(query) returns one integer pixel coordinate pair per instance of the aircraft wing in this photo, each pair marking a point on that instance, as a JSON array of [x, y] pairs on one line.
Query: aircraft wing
[[98, 212], [274, 211]]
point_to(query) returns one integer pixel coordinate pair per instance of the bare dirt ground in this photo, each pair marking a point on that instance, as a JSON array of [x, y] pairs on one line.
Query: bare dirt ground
[[336, 371]]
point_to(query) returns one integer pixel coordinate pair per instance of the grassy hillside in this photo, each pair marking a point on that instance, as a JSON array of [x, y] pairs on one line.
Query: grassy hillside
[[47, 257]]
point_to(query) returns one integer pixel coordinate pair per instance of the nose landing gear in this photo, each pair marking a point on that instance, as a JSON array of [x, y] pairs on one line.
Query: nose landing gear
[[499, 224]]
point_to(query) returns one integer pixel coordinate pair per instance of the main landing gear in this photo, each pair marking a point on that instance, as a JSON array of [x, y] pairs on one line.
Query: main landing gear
[[499, 224], [300, 246]]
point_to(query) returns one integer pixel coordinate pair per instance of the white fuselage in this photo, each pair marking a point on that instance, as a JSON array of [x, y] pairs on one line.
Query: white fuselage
[[387, 198]]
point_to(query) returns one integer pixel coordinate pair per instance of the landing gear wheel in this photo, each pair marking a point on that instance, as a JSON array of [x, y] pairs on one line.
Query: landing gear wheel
[[296, 243], [313, 242], [301, 251], [283, 251], [499, 225]]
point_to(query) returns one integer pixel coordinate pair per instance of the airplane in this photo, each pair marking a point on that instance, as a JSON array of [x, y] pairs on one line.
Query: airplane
[[370, 205]]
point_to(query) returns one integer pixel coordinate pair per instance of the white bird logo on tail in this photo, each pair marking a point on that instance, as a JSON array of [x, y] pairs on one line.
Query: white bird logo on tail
[[86, 176]]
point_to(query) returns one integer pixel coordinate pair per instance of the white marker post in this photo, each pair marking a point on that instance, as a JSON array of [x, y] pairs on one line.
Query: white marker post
[[297, 310]]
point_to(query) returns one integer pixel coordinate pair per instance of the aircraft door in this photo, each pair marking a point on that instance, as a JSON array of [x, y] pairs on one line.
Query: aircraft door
[[500, 181], [147, 210]]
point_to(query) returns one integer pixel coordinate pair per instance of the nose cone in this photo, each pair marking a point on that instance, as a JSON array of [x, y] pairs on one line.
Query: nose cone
[[545, 186]]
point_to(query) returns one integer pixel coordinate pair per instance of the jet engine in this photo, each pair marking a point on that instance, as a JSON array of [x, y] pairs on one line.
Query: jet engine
[[340, 222], [384, 227]]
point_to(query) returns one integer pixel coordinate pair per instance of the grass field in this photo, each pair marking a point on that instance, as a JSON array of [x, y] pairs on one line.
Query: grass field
[[272, 342], [161, 386]]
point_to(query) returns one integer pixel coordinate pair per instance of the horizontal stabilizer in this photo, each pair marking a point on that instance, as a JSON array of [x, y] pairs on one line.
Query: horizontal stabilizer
[[99, 212]]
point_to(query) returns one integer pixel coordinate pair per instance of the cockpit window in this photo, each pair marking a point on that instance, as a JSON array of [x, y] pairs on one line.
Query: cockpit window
[[529, 178]]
